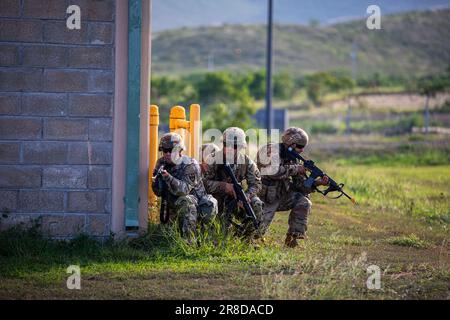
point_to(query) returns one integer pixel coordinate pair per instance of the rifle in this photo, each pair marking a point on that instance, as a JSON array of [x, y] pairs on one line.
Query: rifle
[[315, 173], [241, 196], [163, 215]]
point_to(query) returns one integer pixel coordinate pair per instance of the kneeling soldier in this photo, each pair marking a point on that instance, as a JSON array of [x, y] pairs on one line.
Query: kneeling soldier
[[208, 152], [180, 183], [282, 184], [220, 185]]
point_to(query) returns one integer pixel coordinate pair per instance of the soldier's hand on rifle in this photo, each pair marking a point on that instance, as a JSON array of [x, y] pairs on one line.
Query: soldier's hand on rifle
[[322, 181], [204, 167], [229, 190], [164, 173], [301, 170], [241, 205]]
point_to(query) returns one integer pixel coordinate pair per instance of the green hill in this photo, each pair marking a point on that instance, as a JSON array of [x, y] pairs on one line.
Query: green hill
[[411, 43]]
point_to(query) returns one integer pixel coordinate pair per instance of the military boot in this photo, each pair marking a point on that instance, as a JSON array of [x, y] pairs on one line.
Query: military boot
[[291, 239]]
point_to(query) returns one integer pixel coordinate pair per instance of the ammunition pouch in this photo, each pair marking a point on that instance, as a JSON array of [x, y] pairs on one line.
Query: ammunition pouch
[[269, 193]]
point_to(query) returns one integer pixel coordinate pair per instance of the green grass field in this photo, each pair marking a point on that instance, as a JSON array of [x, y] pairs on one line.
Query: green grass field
[[401, 224]]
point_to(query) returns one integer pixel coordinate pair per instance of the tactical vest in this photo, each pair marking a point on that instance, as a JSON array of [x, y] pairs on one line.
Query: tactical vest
[[178, 171]]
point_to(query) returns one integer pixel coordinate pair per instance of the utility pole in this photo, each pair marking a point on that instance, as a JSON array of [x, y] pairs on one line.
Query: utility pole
[[354, 57], [427, 113], [211, 61], [269, 112]]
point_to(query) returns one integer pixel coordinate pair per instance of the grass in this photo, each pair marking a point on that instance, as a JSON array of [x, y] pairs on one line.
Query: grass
[[394, 189], [403, 156], [393, 125], [400, 224], [408, 241]]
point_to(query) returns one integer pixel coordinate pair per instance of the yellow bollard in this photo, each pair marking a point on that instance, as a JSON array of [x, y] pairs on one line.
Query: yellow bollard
[[178, 124], [177, 118], [194, 131], [153, 149]]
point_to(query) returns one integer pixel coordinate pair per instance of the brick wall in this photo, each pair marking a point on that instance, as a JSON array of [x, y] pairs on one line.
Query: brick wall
[[56, 107]]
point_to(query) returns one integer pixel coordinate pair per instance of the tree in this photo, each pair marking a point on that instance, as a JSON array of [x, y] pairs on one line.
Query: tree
[[227, 100], [429, 86], [283, 85], [320, 83], [317, 85], [167, 92], [215, 87], [257, 85]]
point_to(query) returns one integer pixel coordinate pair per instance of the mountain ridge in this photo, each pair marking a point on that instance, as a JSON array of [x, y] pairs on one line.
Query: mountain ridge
[[408, 44]]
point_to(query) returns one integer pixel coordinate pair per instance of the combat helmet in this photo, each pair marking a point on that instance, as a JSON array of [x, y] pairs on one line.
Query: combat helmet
[[171, 140], [234, 136], [296, 136], [209, 148]]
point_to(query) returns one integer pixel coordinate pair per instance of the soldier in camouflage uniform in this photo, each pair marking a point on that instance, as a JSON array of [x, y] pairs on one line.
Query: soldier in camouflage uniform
[[186, 195], [208, 152], [282, 184], [219, 184]]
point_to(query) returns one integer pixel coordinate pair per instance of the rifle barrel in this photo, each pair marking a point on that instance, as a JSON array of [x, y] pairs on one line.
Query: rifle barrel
[[319, 172], [241, 195]]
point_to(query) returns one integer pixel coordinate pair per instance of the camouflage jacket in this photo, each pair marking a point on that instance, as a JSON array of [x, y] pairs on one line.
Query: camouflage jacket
[[280, 177], [215, 177], [184, 179]]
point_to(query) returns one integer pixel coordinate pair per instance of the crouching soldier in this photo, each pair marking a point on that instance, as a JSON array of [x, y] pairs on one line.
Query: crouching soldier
[[219, 184], [180, 185], [282, 184], [208, 153]]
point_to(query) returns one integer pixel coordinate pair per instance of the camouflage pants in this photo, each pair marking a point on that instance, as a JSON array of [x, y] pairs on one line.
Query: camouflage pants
[[228, 209], [300, 207], [207, 209], [189, 210]]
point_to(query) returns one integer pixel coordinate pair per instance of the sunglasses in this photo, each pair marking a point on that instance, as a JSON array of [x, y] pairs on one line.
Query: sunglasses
[[166, 150], [298, 146]]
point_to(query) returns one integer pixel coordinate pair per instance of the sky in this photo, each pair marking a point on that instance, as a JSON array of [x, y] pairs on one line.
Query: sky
[[173, 14]]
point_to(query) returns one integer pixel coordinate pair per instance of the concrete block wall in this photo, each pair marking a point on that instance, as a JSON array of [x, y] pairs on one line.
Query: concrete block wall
[[56, 108]]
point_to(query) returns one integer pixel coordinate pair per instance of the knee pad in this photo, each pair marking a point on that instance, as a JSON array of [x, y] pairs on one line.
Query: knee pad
[[304, 203], [186, 201], [208, 206], [256, 202]]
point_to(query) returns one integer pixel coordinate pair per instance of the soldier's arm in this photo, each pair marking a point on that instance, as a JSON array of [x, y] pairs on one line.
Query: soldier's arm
[[271, 169], [211, 185], [299, 183], [278, 172], [253, 179], [155, 185], [184, 186]]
